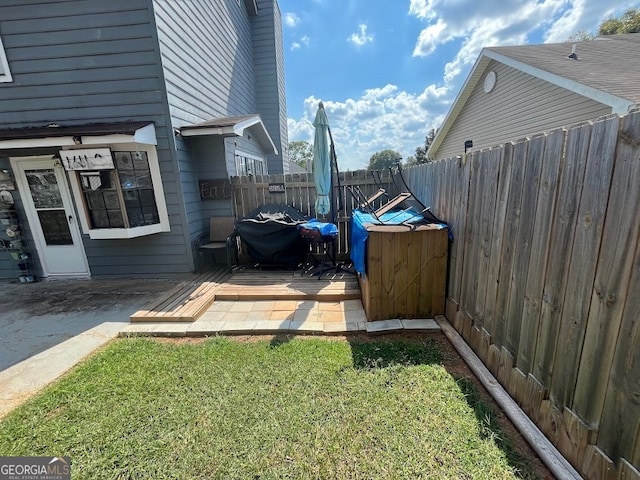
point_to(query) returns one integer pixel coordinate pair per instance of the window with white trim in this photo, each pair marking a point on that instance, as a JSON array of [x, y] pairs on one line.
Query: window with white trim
[[120, 198], [247, 164], [125, 200], [5, 73]]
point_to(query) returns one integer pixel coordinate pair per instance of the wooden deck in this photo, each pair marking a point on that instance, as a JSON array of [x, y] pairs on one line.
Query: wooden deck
[[184, 303], [282, 285], [190, 299]]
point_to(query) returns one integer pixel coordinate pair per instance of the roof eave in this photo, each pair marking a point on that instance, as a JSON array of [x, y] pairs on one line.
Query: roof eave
[[251, 6], [140, 132], [618, 104], [253, 124]]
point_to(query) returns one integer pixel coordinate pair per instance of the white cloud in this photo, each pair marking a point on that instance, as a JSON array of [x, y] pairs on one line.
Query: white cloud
[[304, 40], [361, 38], [291, 19], [388, 117], [381, 118], [473, 25], [429, 38]]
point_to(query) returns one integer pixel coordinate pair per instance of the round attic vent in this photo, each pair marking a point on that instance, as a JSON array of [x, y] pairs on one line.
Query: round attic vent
[[489, 81]]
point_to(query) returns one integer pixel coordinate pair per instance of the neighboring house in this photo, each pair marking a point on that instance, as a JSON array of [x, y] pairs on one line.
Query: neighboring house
[[514, 92], [122, 120]]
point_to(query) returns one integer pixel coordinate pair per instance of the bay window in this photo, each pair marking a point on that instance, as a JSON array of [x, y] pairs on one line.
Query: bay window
[[123, 199]]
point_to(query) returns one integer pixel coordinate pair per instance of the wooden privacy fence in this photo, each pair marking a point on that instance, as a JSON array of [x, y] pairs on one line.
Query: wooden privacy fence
[[298, 190], [544, 280]]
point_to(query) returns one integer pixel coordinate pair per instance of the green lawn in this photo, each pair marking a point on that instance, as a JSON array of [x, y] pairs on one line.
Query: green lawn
[[282, 408]]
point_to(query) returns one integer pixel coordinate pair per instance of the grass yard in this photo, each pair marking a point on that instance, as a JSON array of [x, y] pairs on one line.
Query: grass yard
[[278, 407]]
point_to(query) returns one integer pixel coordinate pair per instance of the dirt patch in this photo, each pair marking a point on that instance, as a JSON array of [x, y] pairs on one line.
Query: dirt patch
[[453, 363]]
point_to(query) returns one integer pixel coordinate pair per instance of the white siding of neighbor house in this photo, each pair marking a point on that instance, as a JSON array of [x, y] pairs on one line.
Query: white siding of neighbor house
[[520, 105], [91, 61]]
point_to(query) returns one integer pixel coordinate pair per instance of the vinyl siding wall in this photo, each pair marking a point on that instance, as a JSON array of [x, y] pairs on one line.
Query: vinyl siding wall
[[91, 61], [270, 80], [519, 105], [207, 59]]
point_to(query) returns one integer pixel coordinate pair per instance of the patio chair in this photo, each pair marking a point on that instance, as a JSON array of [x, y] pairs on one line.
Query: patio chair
[[222, 236]]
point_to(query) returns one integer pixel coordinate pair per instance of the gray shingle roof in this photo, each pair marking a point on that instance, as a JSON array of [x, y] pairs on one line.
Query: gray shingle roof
[[610, 63]]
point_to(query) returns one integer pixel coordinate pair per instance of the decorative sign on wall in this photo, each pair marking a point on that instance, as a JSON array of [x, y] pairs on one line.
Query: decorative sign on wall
[[276, 188], [218, 189], [89, 159]]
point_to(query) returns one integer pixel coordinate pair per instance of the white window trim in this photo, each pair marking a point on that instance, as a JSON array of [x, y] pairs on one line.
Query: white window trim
[[6, 76], [158, 190], [253, 156]]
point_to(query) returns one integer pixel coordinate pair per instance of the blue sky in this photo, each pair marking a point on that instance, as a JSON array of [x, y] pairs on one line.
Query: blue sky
[[388, 70]]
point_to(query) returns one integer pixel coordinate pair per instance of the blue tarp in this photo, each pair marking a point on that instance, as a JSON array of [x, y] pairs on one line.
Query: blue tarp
[[359, 233], [325, 229]]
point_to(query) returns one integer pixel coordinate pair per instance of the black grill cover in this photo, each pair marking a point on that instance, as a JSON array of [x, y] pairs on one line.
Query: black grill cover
[[270, 233]]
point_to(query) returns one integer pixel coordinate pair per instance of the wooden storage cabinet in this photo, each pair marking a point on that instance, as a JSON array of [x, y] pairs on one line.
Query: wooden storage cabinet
[[406, 272]]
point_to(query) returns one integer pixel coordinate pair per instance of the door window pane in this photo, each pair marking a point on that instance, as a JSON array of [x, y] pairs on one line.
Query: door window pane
[[55, 227], [44, 188]]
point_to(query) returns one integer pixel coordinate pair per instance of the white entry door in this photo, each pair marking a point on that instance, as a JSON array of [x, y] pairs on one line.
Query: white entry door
[[49, 209]]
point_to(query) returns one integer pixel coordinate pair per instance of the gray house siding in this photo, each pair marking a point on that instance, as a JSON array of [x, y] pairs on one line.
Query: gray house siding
[[210, 152], [208, 67], [519, 105], [90, 61], [270, 80], [191, 195], [208, 70]]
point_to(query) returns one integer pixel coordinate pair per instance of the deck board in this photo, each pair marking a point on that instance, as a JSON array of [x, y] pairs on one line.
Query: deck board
[[191, 298], [278, 285], [184, 303]]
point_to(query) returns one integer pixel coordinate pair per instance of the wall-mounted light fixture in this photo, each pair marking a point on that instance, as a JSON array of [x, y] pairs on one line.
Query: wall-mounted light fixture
[[467, 145]]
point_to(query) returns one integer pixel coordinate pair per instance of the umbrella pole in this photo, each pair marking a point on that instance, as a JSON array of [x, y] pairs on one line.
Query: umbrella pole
[[334, 163]]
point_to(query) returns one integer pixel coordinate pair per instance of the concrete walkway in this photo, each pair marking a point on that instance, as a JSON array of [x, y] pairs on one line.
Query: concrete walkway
[[24, 379]]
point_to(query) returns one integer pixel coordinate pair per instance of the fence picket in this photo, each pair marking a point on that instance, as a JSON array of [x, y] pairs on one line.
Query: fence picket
[[582, 263], [542, 224], [564, 225], [522, 241], [518, 156], [619, 240], [497, 237]]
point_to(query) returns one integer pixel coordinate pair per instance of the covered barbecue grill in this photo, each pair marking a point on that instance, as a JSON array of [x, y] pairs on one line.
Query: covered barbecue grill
[[271, 235]]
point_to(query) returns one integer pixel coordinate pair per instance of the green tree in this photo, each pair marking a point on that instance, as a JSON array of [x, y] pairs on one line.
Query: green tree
[[628, 22], [581, 36], [421, 155], [301, 153], [421, 152], [411, 161], [383, 159]]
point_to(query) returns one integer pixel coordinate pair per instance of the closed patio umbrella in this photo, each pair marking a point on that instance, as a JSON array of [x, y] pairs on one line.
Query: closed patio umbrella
[[322, 162]]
